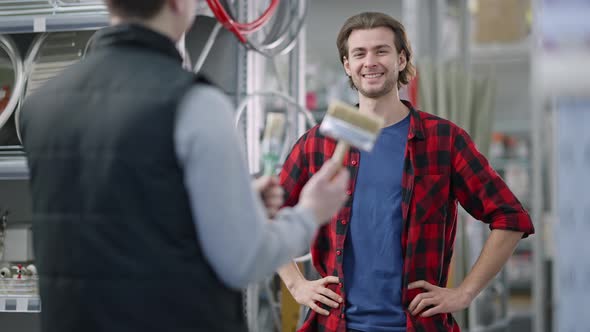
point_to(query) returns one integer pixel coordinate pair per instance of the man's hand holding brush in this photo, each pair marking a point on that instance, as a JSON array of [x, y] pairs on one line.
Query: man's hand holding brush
[[271, 193], [323, 195]]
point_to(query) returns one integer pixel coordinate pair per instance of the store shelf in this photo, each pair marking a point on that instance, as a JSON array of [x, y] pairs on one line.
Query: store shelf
[[519, 51], [65, 19], [13, 168], [53, 22], [19, 295], [20, 303]]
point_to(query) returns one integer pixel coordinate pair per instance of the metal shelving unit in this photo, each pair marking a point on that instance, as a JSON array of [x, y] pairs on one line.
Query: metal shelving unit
[[13, 167], [30, 25], [51, 15], [20, 303], [53, 23]]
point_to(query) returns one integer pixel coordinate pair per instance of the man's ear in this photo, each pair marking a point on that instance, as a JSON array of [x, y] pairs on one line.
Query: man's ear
[[402, 60], [346, 65], [175, 5]]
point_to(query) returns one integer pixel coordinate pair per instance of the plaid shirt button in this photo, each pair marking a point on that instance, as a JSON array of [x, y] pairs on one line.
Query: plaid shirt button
[[354, 162], [342, 316], [338, 252], [349, 192], [343, 221]]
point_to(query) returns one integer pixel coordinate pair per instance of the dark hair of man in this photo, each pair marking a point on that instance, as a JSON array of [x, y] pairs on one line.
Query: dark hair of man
[[139, 9]]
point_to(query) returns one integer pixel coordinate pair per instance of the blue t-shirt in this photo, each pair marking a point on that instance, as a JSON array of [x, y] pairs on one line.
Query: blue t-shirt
[[372, 251]]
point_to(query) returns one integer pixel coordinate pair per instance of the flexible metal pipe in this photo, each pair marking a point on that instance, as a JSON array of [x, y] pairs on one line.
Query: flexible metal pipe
[[49, 55], [8, 46]]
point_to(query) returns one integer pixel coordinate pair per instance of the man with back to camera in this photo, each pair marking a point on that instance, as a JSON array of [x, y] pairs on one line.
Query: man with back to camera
[[144, 218], [385, 256]]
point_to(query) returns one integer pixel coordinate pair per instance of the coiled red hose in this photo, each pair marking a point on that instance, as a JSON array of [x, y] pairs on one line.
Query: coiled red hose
[[240, 30]]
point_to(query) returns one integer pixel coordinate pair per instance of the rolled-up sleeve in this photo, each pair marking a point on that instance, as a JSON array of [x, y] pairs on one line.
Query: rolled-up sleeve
[[482, 192]]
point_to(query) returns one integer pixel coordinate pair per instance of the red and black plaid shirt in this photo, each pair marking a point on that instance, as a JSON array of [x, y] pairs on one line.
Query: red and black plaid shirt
[[442, 167]]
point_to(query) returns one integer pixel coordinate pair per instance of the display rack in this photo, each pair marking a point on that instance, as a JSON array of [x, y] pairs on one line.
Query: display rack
[[13, 167], [19, 295], [27, 27], [20, 303], [37, 21], [19, 298], [53, 22]]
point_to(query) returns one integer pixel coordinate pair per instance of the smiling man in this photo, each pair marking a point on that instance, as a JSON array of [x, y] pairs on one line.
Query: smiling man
[[385, 256]]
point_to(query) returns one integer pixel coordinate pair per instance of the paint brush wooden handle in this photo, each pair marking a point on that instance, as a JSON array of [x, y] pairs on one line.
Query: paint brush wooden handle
[[340, 151]]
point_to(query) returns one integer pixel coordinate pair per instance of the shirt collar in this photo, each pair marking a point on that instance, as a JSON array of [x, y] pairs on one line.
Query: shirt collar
[[416, 129], [136, 35]]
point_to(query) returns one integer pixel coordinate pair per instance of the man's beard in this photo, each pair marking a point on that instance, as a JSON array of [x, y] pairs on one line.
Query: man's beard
[[386, 88]]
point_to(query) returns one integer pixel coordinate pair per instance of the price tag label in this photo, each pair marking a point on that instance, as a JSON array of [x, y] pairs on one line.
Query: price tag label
[[40, 24]]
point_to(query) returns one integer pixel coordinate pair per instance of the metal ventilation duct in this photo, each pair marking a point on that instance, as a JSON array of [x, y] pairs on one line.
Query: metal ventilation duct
[[50, 54], [11, 87]]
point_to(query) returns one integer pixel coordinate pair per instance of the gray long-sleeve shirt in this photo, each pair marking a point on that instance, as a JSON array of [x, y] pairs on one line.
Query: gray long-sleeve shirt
[[233, 231]]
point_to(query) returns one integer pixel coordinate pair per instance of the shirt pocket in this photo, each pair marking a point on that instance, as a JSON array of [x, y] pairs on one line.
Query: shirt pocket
[[431, 198]]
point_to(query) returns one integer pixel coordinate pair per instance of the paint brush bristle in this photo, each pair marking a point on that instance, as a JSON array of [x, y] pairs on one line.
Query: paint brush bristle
[[271, 142], [275, 126], [368, 122]]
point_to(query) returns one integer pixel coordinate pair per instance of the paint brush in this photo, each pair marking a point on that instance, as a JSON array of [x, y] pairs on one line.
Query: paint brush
[[351, 128], [271, 142]]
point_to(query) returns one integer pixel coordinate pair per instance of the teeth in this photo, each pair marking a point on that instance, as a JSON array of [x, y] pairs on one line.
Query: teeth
[[372, 75]]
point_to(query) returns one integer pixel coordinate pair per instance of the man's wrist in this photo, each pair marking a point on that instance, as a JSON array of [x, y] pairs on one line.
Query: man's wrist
[[293, 283], [308, 213], [469, 291]]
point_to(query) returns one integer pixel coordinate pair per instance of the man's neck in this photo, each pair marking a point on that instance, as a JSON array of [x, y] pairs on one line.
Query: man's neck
[[389, 107]]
